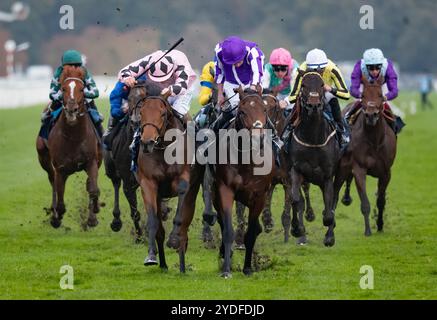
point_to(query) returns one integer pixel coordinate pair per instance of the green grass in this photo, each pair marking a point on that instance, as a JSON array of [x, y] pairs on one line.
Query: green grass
[[109, 265]]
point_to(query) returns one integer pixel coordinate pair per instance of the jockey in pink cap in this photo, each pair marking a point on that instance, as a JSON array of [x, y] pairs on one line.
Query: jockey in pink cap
[[279, 72]]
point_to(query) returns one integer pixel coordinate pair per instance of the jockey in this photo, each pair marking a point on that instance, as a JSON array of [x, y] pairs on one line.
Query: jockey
[[237, 62], [279, 73], [372, 66], [208, 93], [335, 88], [74, 58]]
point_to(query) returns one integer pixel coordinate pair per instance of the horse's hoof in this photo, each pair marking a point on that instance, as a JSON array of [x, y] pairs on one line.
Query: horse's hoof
[[298, 232], [367, 233], [164, 268], [116, 225], [268, 227], [240, 246], [207, 235], [346, 200], [210, 218], [139, 239], [310, 216], [150, 261], [247, 271], [56, 223], [329, 241], [301, 241], [226, 275], [92, 222]]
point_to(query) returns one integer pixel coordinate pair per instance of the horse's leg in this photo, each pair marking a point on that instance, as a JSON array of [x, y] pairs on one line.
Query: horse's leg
[[239, 234], [297, 226], [309, 212], [286, 217], [267, 213], [116, 223], [328, 212], [360, 182], [149, 191], [165, 209], [178, 238], [93, 192], [59, 207], [160, 237], [380, 202], [347, 199], [226, 203], [209, 216], [45, 162], [129, 189], [253, 230]]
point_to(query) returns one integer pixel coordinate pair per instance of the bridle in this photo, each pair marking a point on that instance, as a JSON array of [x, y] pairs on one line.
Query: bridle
[[63, 104]]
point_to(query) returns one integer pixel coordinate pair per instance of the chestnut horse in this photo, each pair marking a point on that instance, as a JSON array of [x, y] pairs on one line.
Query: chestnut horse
[[159, 179], [314, 154], [372, 151], [232, 182], [72, 146]]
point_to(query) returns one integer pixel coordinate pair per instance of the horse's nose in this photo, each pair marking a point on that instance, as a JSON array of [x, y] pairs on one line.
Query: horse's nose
[[148, 145]]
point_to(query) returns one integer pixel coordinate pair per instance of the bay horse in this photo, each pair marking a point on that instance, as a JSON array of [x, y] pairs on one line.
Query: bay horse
[[372, 151], [277, 120], [314, 154], [72, 146], [118, 160], [157, 178], [232, 182]]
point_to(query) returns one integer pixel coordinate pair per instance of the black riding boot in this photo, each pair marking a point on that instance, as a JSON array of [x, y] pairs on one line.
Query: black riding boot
[[108, 136], [336, 114]]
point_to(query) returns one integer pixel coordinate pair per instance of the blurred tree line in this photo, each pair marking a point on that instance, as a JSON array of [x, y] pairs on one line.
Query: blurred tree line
[[113, 33]]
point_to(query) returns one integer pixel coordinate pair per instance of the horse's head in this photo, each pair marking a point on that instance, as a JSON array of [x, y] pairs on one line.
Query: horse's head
[[155, 116], [372, 100], [72, 85], [311, 95], [271, 101], [137, 95], [251, 112]]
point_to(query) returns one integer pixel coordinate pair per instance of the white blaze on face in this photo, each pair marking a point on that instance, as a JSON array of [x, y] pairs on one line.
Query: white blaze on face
[[72, 85]]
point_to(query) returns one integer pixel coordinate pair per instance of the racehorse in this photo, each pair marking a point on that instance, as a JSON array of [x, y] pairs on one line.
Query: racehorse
[[372, 151], [158, 178], [232, 182], [118, 160], [277, 121], [314, 154], [72, 146]]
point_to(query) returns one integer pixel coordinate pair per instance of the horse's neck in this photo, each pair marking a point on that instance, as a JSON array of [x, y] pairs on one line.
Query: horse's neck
[[78, 129], [313, 130], [375, 134]]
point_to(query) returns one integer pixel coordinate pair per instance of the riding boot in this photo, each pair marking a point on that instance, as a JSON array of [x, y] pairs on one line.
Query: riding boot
[[134, 150], [108, 136], [222, 120], [336, 114]]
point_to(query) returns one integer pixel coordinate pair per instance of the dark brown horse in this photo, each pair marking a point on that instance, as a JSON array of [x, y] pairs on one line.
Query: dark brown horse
[[232, 182], [314, 154], [277, 121], [372, 151], [118, 160], [158, 178], [72, 146]]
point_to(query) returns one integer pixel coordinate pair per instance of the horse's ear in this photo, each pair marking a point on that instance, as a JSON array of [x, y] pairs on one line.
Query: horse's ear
[[319, 71], [239, 90], [300, 72], [259, 88], [166, 94]]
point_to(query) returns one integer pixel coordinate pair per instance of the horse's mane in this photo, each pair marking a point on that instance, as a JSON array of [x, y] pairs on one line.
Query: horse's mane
[[153, 89]]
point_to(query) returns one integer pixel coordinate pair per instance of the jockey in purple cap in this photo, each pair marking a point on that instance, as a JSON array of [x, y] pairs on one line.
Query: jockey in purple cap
[[237, 62]]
